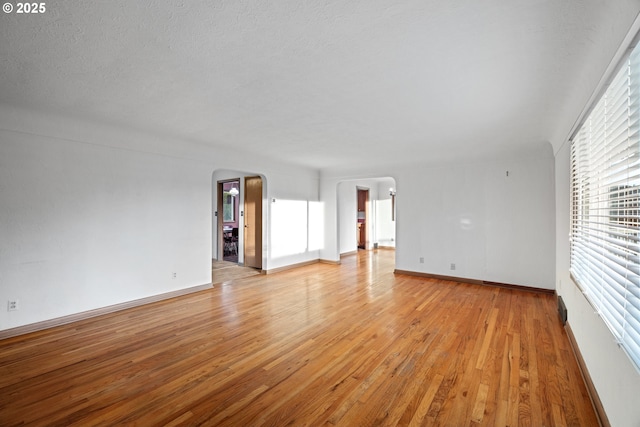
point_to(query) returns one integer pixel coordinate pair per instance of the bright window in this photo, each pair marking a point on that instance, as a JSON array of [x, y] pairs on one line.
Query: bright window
[[605, 190]]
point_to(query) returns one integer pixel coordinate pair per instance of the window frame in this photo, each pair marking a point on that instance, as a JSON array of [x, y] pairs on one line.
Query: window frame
[[604, 244]]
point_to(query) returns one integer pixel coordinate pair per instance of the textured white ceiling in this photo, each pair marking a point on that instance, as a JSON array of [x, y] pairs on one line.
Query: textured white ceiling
[[320, 83]]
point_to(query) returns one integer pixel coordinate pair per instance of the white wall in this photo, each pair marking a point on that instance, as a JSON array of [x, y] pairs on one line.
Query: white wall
[[85, 226], [615, 378], [296, 219], [468, 212], [93, 215], [385, 224], [347, 215], [492, 226]]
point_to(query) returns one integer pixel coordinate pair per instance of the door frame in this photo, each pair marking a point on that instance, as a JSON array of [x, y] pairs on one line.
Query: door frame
[[219, 216], [365, 210]]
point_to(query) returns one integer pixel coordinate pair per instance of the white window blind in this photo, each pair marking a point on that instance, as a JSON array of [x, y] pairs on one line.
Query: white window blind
[[605, 191]]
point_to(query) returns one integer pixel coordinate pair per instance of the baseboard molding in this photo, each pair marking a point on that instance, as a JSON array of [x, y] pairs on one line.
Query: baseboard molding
[[591, 389], [346, 254], [51, 323], [291, 266], [383, 248], [328, 261], [474, 281], [301, 264], [436, 276]]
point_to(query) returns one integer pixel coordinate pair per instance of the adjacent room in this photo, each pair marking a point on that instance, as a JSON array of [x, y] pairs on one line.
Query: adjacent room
[[320, 213]]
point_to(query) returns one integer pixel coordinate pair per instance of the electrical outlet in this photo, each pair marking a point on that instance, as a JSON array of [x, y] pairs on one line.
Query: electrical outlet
[[12, 305], [421, 260], [453, 266], [174, 275]]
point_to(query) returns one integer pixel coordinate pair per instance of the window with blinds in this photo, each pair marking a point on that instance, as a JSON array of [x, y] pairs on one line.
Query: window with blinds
[[605, 192]]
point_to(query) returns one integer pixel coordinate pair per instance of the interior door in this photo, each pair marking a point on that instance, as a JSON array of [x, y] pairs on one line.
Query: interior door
[[253, 222]]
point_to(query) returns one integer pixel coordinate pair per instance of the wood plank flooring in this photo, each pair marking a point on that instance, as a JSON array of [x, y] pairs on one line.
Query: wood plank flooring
[[322, 345], [224, 271]]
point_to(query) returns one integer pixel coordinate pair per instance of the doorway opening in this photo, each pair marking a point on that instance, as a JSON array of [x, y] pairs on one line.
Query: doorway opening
[[229, 208], [361, 221], [366, 215], [237, 219]]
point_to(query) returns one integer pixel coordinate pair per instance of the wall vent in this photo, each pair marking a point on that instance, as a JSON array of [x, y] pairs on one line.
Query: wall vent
[[562, 310]]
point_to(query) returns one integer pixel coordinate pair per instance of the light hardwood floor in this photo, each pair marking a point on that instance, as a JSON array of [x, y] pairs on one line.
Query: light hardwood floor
[[348, 345], [224, 271]]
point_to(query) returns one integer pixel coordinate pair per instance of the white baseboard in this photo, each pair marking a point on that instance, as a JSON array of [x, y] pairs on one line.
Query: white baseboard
[[46, 324]]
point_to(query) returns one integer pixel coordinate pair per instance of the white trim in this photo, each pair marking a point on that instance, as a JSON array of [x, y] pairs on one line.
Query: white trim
[[628, 43], [51, 323]]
